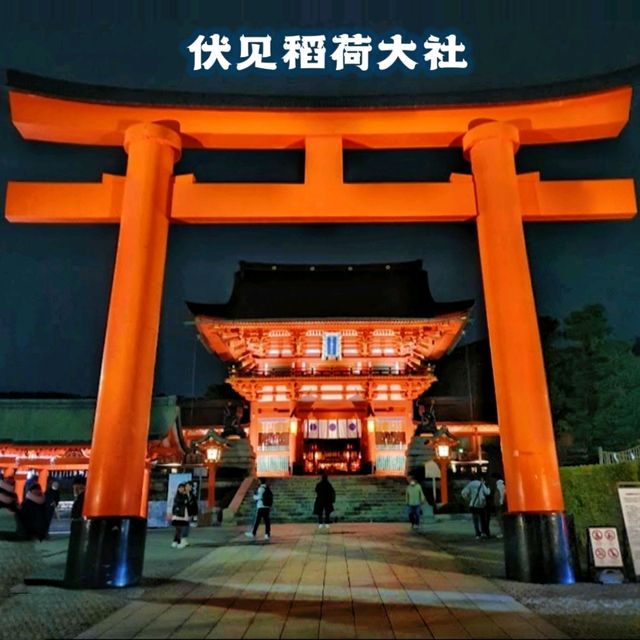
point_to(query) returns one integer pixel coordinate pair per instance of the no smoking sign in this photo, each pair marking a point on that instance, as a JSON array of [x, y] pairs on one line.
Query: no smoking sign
[[605, 547]]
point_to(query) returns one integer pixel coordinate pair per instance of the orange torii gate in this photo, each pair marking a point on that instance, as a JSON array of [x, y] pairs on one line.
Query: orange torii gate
[[106, 548]]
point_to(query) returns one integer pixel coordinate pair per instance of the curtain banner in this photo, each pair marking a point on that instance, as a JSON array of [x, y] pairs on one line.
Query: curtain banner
[[332, 428]]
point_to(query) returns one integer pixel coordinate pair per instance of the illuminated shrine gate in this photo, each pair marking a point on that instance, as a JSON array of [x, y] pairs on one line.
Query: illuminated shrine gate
[[107, 547], [331, 359]]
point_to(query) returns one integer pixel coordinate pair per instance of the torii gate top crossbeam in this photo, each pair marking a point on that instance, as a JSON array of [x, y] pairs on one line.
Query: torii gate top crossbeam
[[323, 134], [587, 117]]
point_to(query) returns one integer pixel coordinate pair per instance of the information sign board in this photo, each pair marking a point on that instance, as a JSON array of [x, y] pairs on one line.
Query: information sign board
[[629, 494]]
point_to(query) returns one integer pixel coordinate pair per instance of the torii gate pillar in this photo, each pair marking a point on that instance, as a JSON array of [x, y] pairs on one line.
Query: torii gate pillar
[[106, 547], [536, 530]]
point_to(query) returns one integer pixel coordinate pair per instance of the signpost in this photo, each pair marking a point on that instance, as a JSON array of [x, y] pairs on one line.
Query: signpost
[[629, 494], [605, 547], [605, 556], [432, 470]]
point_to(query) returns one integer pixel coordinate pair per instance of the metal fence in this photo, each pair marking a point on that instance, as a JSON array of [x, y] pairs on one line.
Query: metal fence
[[613, 457]]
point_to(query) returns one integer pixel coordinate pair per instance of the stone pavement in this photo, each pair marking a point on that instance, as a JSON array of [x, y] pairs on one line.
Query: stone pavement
[[581, 610], [356, 581], [39, 612]]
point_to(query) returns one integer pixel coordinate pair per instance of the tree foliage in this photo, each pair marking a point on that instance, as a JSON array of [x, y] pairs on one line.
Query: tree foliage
[[222, 392], [594, 384]]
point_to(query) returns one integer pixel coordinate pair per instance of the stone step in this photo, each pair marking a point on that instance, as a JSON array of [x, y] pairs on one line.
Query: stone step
[[358, 499]]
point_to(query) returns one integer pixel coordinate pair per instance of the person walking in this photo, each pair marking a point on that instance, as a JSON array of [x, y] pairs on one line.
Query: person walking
[[325, 499], [180, 518], [8, 495], [192, 509], [52, 499], [414, 498], [8, 505], [264, 501], [79, 485], [498, 502], [476, 493], [33, 514]]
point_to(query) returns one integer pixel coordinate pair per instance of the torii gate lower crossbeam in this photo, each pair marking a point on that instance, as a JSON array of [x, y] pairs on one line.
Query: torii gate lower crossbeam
[[106, 547]]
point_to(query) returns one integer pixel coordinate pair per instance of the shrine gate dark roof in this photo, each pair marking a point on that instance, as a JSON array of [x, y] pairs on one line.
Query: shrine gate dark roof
[[277, 291]]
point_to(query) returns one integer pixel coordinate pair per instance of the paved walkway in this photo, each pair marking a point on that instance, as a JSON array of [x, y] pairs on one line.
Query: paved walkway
[[356, 581]]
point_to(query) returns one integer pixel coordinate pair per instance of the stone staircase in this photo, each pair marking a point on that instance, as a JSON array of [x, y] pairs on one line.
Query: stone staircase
[[358, 499]]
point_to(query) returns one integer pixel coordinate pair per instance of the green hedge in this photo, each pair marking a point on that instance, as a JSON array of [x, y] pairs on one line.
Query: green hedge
[[591, 496]]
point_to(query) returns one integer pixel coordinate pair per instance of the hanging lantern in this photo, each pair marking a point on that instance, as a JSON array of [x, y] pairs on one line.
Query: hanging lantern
[[213, 453], [442, 451], [442, 445]]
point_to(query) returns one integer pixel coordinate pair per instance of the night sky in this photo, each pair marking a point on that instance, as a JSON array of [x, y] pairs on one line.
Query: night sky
[[55, 279]]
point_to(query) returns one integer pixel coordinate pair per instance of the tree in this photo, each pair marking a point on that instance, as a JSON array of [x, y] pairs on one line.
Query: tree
[[594, 385], [222, 392]]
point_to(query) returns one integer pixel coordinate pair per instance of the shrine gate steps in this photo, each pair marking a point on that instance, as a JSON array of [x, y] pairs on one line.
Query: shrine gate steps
[[358, 499]]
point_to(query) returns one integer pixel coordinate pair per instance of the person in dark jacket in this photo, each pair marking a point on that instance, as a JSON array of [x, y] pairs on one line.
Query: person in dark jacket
[[180, 518], [8, 505], [51, 499], [325, 497], [192, 508], [192, 500], [33, 514], [79, 484], [8, 495]]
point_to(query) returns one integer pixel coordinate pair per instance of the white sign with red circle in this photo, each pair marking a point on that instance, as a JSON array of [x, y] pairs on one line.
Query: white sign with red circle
[[605, 547]]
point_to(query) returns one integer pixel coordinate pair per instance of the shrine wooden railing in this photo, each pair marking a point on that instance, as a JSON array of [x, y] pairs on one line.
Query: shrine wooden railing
[[323, 372]]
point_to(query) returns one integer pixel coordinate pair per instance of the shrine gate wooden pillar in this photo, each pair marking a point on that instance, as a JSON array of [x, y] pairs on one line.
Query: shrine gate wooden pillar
[[43, 479], [107, 547], [537, 533]]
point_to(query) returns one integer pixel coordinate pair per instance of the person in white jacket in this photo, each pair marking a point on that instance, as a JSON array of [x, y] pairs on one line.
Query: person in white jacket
[[476, 493], [499, 502], [263, 507]]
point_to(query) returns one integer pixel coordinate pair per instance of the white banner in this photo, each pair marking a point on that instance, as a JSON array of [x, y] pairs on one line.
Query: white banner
[[310, 428], [324, 428], [354, 428], [332, 429]]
